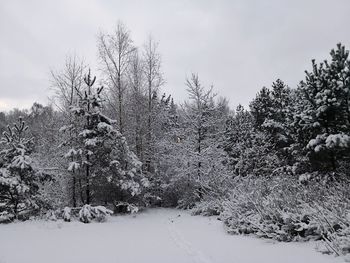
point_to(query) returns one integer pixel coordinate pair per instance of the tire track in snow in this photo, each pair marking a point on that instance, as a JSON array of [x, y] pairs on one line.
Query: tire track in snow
[[180, 241]]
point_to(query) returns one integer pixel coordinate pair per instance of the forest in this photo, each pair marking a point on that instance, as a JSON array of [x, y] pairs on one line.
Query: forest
[[112, 142]]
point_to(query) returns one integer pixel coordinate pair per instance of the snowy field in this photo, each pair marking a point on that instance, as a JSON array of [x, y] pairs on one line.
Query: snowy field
[[154, 236]]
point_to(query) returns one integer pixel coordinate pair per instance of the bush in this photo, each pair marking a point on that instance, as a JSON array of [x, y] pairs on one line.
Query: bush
[[124, 207], [208, 207], [284, 209], [85, 214], [99, 213], [50, 215], [67, 214], [6, 217]]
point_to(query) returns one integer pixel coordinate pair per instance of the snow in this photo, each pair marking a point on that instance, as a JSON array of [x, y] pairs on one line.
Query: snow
[[85, 133], [154, 236], [70, 153], [91, 142], [331, 141], [21, 161], [73, 166], [105, 126], [338, 140]]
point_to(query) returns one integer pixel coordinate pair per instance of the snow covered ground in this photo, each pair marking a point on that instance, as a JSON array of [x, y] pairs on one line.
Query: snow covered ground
[[153, 236]]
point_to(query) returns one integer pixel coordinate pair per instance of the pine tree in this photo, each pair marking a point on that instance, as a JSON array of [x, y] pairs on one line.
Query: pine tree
[[323, 116], [272, 113], [238, 136], [260, 107], [100, 154], [19, 180]]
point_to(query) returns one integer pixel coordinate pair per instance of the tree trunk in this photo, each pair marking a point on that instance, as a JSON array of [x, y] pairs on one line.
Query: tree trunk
[[81, 192], [87, 190], [120, 111], [73, 192], [149, 126]]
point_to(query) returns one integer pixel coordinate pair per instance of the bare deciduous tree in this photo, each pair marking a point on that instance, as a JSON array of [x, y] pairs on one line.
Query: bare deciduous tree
[[136, 101], [154, 79], [66, 82], [115, 51]]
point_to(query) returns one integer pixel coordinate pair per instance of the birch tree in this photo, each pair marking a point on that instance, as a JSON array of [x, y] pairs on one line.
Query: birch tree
[[66, 82], [136, 104], [115, 51], [154, 80]]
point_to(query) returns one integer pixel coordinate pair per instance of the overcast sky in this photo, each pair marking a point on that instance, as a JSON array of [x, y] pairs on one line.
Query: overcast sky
[[238, 46]]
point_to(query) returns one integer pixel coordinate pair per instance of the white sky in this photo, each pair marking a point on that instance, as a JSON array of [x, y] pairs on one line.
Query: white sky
[[238, 46]]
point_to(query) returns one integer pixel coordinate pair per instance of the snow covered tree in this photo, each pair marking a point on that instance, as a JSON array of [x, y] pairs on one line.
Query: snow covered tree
[[154, 80], [66, 84], [136, 106], [260, 107], [19, 180], [278, 123], [44, 123], [115, 53], [165, 152], [100, 154], [2, 122], [250, 151], [201, 160], [323, 118], [238, 136], [272, 113]]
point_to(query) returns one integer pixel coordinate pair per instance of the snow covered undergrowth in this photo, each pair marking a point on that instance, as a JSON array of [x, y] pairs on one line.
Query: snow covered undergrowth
[[154, 236]]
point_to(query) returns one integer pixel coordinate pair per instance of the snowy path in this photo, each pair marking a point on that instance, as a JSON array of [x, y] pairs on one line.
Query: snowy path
[[155, 236]]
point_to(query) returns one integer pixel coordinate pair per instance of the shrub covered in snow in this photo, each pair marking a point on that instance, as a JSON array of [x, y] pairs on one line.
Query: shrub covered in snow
[[6, 217], [125, 207], [51, 215], [98, 213], [208, 207], [282, 208], [67, 214], [85, 214]]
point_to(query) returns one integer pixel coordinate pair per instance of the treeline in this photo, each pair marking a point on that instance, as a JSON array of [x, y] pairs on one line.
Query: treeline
[[279, 169]]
